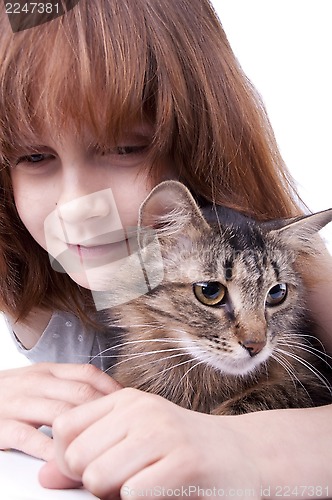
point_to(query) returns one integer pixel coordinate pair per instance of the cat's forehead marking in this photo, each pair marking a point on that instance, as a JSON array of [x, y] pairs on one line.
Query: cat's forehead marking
[[276, 269], [242, 253], [228, 268]]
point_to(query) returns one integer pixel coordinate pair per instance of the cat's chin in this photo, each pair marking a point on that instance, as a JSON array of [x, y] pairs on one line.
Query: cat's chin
[[239, 369], [240, 366]]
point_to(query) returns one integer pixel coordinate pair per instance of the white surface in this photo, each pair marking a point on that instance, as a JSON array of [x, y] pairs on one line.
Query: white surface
[[19, 480]]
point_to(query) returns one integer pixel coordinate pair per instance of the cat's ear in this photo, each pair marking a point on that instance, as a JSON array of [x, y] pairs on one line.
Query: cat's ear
[[170, 209], [299, 232]]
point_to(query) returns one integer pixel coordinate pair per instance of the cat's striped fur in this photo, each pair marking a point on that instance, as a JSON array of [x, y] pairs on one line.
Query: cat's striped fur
[[252, 350]]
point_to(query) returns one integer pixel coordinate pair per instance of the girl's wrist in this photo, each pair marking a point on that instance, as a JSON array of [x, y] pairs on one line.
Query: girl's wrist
[[288, 446]]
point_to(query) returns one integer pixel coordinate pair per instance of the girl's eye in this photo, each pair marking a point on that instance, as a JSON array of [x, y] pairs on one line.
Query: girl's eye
[[128, 150], [34, 158], [210, 293], [125, 150], [276, 295]]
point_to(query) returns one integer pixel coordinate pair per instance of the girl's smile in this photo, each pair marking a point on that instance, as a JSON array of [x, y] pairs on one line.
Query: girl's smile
[[93, 252]]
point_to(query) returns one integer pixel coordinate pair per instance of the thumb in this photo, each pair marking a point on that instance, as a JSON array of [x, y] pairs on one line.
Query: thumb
[[51, 478]]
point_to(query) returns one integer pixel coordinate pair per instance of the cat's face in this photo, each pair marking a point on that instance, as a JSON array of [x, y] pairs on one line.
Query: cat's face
[[227, 306], [230, 294]]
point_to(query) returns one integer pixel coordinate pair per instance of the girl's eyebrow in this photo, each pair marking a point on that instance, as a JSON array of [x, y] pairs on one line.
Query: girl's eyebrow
[[143, 130], [35, 147], [133, 134]]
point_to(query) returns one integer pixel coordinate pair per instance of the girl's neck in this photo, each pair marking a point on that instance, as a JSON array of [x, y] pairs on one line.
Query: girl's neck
[[29, 331]]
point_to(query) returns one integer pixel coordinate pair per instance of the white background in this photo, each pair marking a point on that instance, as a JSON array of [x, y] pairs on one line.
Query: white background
[[285, 48]]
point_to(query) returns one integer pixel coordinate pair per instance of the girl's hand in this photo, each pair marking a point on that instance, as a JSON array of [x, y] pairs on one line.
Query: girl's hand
[[35, 395], [131, 441]]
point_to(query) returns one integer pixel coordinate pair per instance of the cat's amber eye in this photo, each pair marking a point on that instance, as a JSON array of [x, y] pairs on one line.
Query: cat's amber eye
[[277, 294], [210, 293]]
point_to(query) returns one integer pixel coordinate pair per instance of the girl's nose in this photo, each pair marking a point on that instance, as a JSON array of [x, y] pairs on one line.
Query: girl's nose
[[98, 204]]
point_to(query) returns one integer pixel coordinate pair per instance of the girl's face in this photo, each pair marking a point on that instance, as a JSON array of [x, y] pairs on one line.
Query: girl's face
[[80, 204]]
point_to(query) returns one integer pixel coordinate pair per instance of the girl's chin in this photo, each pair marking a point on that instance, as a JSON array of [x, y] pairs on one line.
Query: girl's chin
[[96, 279]]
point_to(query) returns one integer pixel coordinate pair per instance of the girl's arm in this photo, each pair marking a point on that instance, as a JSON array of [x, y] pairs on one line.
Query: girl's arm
[[317, 272], [132, 442]]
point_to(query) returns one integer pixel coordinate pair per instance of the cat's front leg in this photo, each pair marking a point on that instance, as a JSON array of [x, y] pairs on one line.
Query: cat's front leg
[[265, 397]]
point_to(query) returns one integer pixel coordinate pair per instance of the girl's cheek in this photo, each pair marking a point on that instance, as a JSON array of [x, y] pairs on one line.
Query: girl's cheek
[[33, 211]]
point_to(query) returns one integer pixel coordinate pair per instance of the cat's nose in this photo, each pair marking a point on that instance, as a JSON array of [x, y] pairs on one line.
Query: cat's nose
[[253, 347]]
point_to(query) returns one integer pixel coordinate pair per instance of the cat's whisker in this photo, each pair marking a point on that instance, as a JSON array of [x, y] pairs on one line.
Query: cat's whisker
[[266, 368], [309, 366], [292, 374], [191, 368], [285, 363], [148, 363], [130, 357], [147, 327], [289, 369], [135, 342], [308, 348], [173, 367], [151, 326], [306, 336], [139, 354]]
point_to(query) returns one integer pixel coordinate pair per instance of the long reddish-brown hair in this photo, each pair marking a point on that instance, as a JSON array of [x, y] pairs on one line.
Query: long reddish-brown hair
[[105, 64]]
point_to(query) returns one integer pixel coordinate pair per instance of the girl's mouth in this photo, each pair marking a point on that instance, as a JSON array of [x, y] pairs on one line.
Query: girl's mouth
[[99, 255]]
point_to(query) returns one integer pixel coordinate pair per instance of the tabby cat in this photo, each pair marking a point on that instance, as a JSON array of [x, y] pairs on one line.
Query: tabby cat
[[226, 331]]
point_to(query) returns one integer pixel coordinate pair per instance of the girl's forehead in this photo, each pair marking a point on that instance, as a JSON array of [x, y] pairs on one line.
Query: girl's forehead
[[99, 69], [58, 82], [48, 121], [84, 135]]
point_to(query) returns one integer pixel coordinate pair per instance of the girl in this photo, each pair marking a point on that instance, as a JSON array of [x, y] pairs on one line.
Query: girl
[[97, 107]]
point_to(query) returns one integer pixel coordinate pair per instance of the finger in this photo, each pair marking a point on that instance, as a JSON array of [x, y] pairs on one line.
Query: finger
[[75, 421], [80, 444], [37, 411], [47, 385], [174, 473], [77, 432], [71, 391], [85, 373], [23, 437], [123, 461], [50, 477], [83, 416], [68, 426], [64, 371]]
